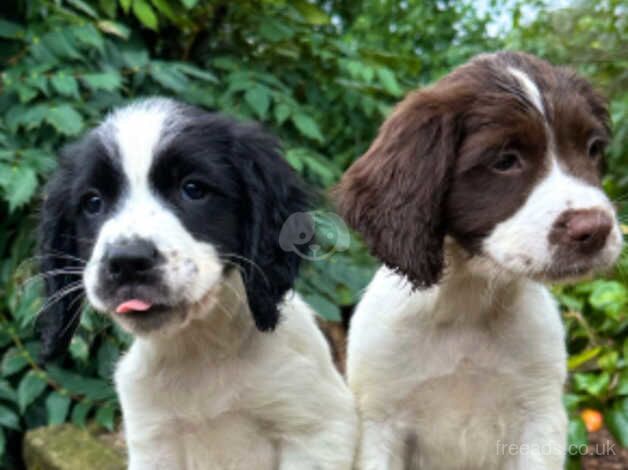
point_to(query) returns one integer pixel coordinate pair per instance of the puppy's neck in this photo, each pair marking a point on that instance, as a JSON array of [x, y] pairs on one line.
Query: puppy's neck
[[217, 327], [473, 289]]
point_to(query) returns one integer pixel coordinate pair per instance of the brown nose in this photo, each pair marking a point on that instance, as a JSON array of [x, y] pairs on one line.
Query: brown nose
[[583, 230]]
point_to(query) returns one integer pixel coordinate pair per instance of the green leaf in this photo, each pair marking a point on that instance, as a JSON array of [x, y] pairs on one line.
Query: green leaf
[[577, 433], [89, 36], [617, 421], [189, 3], [114, 28], [109, 7], [105, 416], [609, 296], [145, 13], [7, 392], [14, 360], [108, 355], [8, 418], [93, 389], [57, 406], [3, 442], [109, 81], [258, 98], [168, 76], [20, 187], [282, 112], [80, 412], [622, 385], [592, 383], [311, 13], [83, 7], [307, 126], [388, 81], [126, 5], [195, 72], [65, 119], [576, 361], [31, 386], [64, 84], [10, 30], [79, 349]]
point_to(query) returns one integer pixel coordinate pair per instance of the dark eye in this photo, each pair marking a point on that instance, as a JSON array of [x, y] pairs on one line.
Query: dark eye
[[194, 190], [507, 161], [596, 148], [92, 203]]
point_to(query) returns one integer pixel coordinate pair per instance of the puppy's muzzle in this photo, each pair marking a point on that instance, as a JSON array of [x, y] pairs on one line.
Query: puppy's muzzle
[[584, 232]]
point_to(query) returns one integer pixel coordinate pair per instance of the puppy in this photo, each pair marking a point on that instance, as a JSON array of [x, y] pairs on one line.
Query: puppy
[[476, 190], [176, 214]]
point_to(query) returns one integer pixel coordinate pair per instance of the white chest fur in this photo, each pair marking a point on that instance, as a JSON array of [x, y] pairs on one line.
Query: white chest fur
[[452, 381], [222, 395]]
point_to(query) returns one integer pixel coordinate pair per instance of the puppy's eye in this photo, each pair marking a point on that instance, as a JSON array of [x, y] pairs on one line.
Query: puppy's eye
[[595, 148], [194, 190], [92, 203], [507, 162]]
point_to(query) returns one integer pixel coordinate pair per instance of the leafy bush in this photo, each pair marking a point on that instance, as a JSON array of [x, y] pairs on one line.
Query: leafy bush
[[320, 74]]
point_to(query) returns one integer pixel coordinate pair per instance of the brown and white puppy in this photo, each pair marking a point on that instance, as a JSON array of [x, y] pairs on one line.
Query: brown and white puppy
[[476, 189]]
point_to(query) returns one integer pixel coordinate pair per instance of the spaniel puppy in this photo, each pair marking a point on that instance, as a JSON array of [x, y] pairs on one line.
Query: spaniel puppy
[[171, 217], [476, 190]]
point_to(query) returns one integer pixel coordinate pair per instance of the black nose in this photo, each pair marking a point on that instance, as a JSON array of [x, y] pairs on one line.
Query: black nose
[[584, 231], [128, 259]]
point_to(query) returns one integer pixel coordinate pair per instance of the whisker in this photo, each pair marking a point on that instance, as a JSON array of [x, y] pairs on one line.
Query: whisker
[[57, 296], [251, 262], [75, 316], [49, 274]]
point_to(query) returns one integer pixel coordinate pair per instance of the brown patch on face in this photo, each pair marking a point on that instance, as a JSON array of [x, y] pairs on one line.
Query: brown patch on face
[[579, 119], [435, 169]]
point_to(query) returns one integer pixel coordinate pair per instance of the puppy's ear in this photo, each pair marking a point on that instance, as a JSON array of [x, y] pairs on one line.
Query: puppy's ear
[[393, 195], [59, 266], [273, 194]]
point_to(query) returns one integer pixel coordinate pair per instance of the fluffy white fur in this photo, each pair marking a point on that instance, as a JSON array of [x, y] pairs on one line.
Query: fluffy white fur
[[222, 395]]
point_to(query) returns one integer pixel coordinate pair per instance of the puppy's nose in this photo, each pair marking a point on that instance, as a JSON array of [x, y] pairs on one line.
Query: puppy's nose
[[584, 230], [128, 258]]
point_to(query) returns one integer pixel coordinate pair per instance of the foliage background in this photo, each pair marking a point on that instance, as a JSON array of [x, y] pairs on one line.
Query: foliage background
[[322, 74]]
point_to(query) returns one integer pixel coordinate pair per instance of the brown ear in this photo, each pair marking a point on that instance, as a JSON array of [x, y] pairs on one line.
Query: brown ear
[[394, 193]]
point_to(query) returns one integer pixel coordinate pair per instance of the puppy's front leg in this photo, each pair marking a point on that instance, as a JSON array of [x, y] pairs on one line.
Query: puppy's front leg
[[544, 441], [380, 448]]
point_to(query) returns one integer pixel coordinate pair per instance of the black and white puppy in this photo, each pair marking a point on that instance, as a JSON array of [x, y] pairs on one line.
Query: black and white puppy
[[476, 190], [172, 216]]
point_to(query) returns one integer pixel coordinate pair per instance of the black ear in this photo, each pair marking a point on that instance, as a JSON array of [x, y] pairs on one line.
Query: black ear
[[393, 195], [273, 193], [60, 267]]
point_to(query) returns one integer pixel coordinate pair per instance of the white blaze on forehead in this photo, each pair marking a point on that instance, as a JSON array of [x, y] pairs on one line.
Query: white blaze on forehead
[[137, 130], [521, 242], [530, 88]]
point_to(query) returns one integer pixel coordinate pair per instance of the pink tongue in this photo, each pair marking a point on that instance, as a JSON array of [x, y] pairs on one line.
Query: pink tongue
[[133, 305]]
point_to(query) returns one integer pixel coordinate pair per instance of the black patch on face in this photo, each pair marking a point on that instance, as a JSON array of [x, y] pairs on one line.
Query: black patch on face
[[247, 193], [67, 234], [200, 155]]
